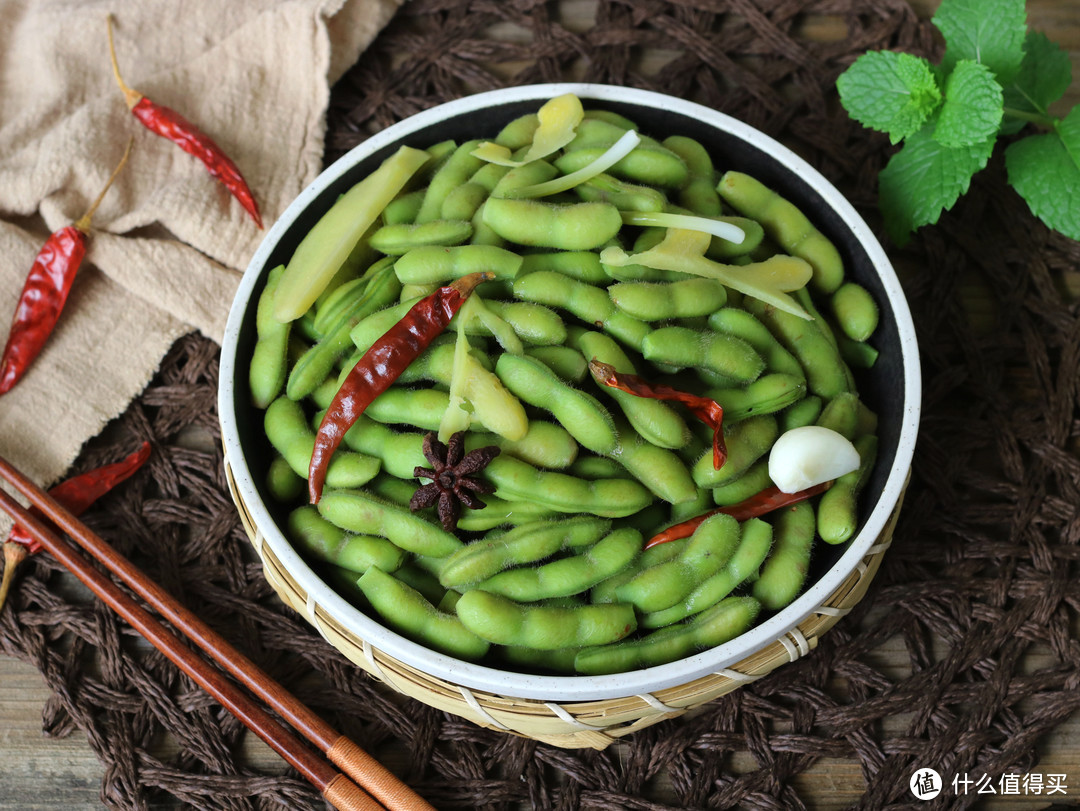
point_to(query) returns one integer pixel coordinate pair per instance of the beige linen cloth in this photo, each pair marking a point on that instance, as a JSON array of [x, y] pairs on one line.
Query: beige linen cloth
[[169, 242]]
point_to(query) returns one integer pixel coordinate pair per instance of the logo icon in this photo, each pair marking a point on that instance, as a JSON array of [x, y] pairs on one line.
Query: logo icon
[[925, 784]]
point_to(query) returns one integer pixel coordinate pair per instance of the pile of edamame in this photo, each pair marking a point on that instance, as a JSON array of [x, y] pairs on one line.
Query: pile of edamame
[[550, 576]]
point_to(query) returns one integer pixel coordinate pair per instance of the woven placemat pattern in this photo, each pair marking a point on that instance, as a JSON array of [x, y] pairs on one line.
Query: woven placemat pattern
[[981, 587]]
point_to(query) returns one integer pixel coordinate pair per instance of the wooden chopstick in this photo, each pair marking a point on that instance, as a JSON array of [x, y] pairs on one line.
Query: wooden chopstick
[[357, 764]]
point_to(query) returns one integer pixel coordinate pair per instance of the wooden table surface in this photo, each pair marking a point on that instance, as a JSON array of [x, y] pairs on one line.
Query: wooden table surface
[[41, 773]]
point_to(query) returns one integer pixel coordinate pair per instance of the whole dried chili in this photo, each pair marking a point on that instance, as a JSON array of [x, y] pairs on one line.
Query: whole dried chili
[[169, 124], [380, 366], [769, 499], [75, 495], [46, 290], [708, 411]]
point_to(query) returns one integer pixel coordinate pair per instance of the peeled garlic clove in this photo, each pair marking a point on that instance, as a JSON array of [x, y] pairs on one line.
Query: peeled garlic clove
[[803, 457]]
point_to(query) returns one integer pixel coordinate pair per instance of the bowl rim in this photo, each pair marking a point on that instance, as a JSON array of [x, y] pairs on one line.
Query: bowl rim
[[550, 687]]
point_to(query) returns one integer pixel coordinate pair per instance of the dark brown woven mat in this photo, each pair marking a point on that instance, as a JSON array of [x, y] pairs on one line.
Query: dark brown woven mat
[[983, 574]]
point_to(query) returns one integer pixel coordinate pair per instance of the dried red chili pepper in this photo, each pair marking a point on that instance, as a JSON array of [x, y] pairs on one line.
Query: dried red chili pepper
[[46, 290], [769, 499], [75, 495], [708, 411], [381, 365], [172, 126]]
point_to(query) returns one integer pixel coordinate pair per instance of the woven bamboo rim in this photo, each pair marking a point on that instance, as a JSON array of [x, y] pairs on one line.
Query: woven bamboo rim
[[580, 724]]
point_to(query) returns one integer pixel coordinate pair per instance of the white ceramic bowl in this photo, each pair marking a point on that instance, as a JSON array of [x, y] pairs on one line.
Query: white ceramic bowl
[[892, 387]]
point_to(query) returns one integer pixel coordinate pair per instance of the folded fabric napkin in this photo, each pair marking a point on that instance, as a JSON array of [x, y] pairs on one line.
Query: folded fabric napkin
[[169, 242]]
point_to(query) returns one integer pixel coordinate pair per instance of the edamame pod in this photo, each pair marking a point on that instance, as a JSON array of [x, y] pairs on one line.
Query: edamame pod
[[498, 512], [545, 444], [420, 408], [463, 202], [407, 611], [431, 264], [266, 374], [753, 481], [855, 310], [662, 301], [564, 226], [698, 194], [567, 363], [766, 395], [581, 265], [400, 238], [282, 482], [570, 575], [504, 622], [708, 551], [579, 412], [659, 469], [404, 207], [714, 351], [456, 171], [787, 225], [624, 196], [742, 324], [524, 544], [804, 412], [399, 452], [719, 624], [288, 431], [838, 514], [515, 480], [784, 572], [647, 163], [747, 441], [318, 538], [361, 512]]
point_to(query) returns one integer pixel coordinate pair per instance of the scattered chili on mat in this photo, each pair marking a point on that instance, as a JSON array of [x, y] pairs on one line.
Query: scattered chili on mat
[[380, 366], [708, 411], [169, 124], [769, 499], [46, 290], [75, 495]]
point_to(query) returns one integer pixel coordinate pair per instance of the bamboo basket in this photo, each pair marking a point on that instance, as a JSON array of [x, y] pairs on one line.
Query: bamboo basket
[[580, 724]]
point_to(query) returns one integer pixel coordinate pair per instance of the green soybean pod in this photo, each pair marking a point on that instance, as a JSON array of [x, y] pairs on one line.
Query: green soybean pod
[[787, 225], [288, 431], [714, 351], [570, 575], [407, 611], [316, 364], [431, 264], [361, 512], [579, 412], [841, 414], [266, 375], [723, 622], [766, 395], [420, 408], [662, 301], [754, 545], [487, 177], [753, 481], [543, 661], [463, 202], [545, 444], [404, 207], [396, 491], [282, 482], [519, 132], [784, 571], [399, 452], [524, 544], [826, 373], [456, 171], [708, 551], [564, 226], [516, 480], [587, 466], [804, 412], [612, 118], [529, 174], [422, 581], [855, 310], [647, 163], [332, 309], [747, 441], [498, 512], [397, 239], [604, 188], [581, 265], [742, 324], [533, 323], [504, 622], [567, 363], [838, 515], [659, 469], [724, 250], [698, 194], [654, 420], [857, 354], [316, 537]]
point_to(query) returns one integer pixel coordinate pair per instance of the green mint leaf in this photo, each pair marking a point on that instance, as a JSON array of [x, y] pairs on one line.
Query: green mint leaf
[[990, 32], [924, 178], [1045, 75], [891, 92], [973, 106], [1045, 170]]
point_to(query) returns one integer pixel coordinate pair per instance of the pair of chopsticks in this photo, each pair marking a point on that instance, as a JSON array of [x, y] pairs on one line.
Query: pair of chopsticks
[[363, 784]]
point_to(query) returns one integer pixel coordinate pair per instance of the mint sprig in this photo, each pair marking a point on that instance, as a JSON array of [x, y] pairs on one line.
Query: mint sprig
[[995, 78]]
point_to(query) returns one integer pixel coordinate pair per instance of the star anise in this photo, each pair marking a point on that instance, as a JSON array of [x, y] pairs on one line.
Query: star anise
[[452, 479]]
